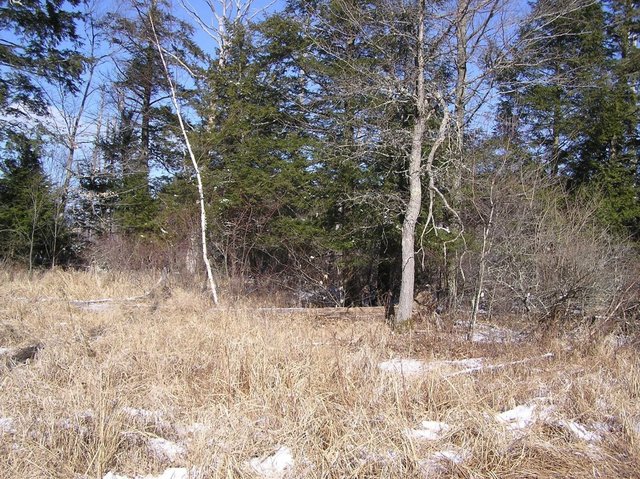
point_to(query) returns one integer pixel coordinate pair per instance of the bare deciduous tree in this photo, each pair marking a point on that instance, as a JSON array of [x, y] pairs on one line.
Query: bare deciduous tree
[[225, 13]]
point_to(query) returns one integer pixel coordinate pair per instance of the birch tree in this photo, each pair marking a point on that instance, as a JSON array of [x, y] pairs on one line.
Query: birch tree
[[176, 104], [223, 17]]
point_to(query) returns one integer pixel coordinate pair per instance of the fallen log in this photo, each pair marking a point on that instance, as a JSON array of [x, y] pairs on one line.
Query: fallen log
[[375, 313]]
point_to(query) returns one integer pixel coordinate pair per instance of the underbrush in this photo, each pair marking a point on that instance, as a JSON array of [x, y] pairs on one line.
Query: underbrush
[[135, 387]]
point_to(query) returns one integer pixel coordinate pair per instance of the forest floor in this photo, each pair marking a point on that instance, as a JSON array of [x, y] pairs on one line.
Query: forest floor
[[164, 386]]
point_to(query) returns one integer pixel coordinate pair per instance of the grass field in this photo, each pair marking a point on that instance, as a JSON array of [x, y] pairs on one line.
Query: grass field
[[165, 386]]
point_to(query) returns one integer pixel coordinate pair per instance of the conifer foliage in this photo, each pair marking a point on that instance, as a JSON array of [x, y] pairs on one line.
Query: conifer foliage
[[341, 145], [27, 213]]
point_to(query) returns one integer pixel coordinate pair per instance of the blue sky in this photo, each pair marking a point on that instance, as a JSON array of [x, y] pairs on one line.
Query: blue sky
[[204, 11]]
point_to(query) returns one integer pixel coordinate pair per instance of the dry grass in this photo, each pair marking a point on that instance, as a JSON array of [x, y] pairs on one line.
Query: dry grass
[[229, 386]]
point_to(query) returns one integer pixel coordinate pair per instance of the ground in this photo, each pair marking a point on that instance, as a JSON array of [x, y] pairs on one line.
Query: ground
[[162, 385]]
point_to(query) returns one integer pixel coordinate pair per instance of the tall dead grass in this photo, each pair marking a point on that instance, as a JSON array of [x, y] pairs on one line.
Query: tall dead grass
[[225, 386]]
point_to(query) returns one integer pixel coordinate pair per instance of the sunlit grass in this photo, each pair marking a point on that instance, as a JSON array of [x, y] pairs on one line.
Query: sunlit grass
[[229, 386]]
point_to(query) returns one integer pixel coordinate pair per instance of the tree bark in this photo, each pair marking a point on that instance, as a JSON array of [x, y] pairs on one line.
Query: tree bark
[[203, 213], [405, 304], [456, 183]]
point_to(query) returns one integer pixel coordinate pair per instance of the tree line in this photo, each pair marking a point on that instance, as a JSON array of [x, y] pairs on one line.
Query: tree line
[[349, 152]]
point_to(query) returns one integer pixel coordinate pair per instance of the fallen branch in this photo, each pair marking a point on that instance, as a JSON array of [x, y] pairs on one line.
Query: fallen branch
[[497, 366], [373, 313], [146, 294]]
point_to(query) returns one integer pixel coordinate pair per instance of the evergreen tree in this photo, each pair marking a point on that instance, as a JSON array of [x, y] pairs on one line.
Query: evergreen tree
[[27, 206], [143, 136], [34, 35], [575, 104], [257, 175]]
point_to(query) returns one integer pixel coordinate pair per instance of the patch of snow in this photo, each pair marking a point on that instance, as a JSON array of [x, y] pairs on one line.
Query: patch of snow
[[412, 367], [7, 425], [435, 463], [142, 413], [112, 475], [273, 466], [366, 456], [170, 473], [602, 427], [485, 333], [403, 366], [478, 337], [92, 306], [148, 417], [497, 366], [450, 455], [70, 425], [592, 451], [429, 431], [462, 363], [519, 417], [165, 450], [580, 431], [524, 415], [195, 428], [86, 415], [4, 351]]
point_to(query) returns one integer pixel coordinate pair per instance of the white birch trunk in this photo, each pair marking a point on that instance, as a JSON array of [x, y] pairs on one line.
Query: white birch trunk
[[203, 214]]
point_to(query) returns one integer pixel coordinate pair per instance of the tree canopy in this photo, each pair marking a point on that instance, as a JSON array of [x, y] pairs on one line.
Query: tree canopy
[[340, 142]]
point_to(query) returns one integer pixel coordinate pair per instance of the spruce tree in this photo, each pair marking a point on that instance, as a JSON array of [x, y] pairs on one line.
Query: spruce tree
[[36, 47], [143, 135], [256, 176], [27, 206]]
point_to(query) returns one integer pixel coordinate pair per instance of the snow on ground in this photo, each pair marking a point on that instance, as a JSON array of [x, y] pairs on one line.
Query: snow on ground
[[446, 368], [191, 429], [112, 475], [7, 425], [436, 463], [273, 466], [403, 366], [429, 431], [4, 351], [147, 417], [165, 450], [94, 306], [579, 430], [458, 363], [525, 415], [276, 465], [143, 414], [519, 417], [413, 367], [486, 333], [171, 473]]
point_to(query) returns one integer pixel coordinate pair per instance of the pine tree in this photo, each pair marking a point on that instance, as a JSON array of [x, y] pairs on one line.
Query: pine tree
[[575, 103]]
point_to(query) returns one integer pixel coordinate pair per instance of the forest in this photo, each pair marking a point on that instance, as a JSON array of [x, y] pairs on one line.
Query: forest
[[331, 152], [300, 239]]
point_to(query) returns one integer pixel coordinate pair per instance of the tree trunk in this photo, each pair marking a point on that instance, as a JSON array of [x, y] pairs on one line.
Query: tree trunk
[[456, 180], [203, 213], [405, 304], [148, 79]]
